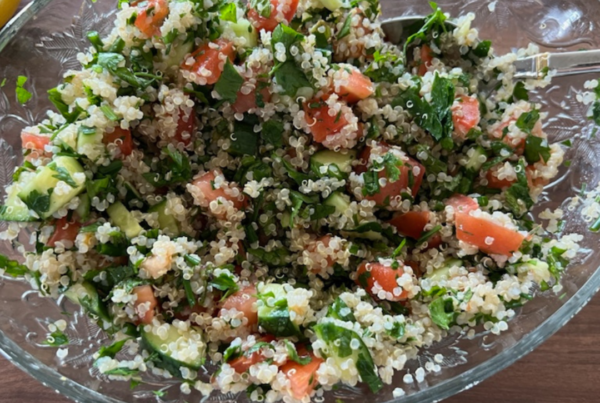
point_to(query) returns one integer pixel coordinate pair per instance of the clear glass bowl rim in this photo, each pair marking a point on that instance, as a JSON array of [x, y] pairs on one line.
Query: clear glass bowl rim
[[77, 392]]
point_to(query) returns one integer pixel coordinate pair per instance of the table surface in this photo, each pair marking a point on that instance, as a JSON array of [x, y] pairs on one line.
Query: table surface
[[564, 369]]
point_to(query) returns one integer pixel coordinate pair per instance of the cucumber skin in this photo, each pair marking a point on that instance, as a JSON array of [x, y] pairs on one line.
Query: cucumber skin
[[122, 218], [86, 289], [167, 223], [44, 180], [11, 211], [152, 343]]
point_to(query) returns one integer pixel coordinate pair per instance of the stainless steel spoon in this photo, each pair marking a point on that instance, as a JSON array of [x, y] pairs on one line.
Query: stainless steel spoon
[[536, 66]]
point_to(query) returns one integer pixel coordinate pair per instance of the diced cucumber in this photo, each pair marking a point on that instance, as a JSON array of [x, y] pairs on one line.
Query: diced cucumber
[[122, 218], [332, 5], [340, 342], [14, 209], [83, 210], [39, 188], [178, 349], [168, 223], [86, 295], [132, 194], [340, 201], [177, 53], [443, 272], [474, 163], [243, 29], [274, 316], [86, 141], [339, 310], [339, 163]]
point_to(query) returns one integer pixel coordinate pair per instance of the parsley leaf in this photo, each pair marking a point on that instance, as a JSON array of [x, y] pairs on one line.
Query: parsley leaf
[[62, 174], [263, 7], [56, 339], [229, 82], [482, 49], [371, 179], [520, 93], [536, 147], [226, 283], [38, 202], [229, 12], [434, 21], [527, 120], [112, 350], [291, 78], [12, 267], [345, 31], [441, 311], [293, 354], [22, 94], [272, 133]]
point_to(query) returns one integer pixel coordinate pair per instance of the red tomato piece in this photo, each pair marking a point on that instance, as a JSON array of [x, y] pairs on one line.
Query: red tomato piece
[[358, 87], [185, 124], [205, 184], [321, 123], [244, 301], [145, 294], [426, 59], [64, 231], [303, 378], [488, 236], [385, 276], [494, 182], [245, 102], [33, 141], [121, 138], [281, 11], [411, 223], [465, 115], [244, 362], [151, 16], [208, 57]]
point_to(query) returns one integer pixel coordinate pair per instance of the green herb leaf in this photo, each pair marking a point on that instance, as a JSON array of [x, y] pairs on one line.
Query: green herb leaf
[[112, 350], [62, 174], [22, 94], [345, 31], [263, 7], [527, 120], [442, 313], [291, 78], [225, 283], [293, 354], [339, 310], [228, 12], [12, 267], [520, 93], [272, 133], [229, 82], [433, 22], [56, 339], [371, 179], [38, 202], [536, 148], [482, 49]]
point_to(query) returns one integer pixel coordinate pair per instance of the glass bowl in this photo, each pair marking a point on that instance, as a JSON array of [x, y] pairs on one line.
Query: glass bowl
[[42, 43]]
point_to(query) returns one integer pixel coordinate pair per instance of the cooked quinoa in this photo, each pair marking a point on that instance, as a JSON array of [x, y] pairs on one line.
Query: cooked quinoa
[[277, 194]]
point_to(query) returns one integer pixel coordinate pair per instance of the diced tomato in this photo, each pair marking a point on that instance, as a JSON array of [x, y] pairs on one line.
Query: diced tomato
[[320, 122], [358, 86], [145, 293], [205, 183], [434, 242], [426, 59], [462, 203], [187, 311], [494, 182], [208, 57], [245, 102], [488, 236], [244, 362], [64, 231], [121, 138], [288, 10], [185, 124], [385, 276], [411, 223], [394, 189], [244, 301], [151, 16], [33, 141], [465, 115], [303, 378]]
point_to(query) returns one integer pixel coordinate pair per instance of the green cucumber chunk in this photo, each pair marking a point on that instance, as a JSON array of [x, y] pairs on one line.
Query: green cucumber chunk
[[243, 29], [474, 163], [443, 272], [274, 316], [190, 351], [83, 210], [168, 223], [122, 218], [14, 209], [340, 342], [339, 164], [332, 5], [86, 295], [340, 201], [39, 193]]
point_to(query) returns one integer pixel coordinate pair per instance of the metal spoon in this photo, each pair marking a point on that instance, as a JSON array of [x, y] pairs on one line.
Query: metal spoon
[[536, 66]]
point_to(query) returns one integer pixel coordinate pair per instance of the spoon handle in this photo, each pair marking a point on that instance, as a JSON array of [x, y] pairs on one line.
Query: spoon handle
[[564, 64]]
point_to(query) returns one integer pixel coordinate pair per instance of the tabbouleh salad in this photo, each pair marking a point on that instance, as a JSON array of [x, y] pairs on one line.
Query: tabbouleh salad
[[275, 192]]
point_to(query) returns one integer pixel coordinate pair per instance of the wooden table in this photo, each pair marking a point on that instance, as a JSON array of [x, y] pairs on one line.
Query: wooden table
[[564, 369]]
